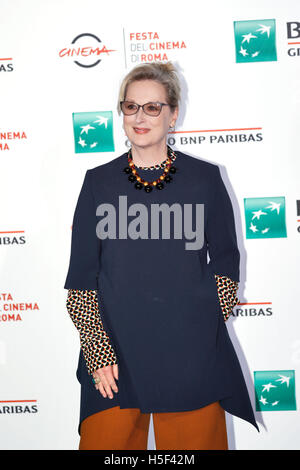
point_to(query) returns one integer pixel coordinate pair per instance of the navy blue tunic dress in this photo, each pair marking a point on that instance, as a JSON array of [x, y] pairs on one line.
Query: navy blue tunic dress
[[158, 300]]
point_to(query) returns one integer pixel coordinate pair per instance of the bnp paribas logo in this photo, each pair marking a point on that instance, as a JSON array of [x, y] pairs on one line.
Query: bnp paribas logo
[[93, 132], [275, 390], [265, 217], [255, 40]]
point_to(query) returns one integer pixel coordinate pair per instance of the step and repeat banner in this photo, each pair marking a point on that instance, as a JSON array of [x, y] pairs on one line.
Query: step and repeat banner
[[61, 65]]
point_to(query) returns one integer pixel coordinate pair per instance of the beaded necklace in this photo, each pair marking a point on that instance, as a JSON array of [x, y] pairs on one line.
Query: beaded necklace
[[158, 183]]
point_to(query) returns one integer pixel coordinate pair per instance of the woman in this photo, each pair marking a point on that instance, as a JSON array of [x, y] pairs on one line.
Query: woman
[[148, 306]]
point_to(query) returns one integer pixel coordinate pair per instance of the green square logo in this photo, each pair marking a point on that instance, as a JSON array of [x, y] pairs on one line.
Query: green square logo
[[93, 132], [255, 41], [275, 390], [265, 217]]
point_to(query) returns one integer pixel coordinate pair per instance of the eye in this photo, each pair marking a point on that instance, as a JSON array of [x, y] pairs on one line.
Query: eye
[[153, 107], [129, 105]]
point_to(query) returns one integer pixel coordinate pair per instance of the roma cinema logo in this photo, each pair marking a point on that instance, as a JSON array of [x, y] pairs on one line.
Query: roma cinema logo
[[88, 48], [12, 311], [6, 138], [150, 47]]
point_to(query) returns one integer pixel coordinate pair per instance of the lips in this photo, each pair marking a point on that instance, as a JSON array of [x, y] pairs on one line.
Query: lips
[[141, 130]]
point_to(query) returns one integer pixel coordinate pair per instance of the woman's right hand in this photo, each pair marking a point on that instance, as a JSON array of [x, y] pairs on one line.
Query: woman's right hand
[[107, 375]]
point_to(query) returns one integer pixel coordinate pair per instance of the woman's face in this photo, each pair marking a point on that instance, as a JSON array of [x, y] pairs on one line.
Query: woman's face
[[142, 130]]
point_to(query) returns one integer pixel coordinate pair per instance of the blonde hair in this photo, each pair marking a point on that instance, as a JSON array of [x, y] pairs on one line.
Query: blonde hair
[[164, 73]]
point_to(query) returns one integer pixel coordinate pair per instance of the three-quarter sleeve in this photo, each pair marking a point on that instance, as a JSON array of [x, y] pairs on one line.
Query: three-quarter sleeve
[[85, 245], [82, 282], [83, 308], [220, 231]]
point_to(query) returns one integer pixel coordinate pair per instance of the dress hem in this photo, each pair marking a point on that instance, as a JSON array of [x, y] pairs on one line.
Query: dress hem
[[253, 422]]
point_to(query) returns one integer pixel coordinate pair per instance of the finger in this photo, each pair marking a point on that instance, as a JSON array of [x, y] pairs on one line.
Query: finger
[[116, 371], [106, 376], [109, 386], [107, 379], [98, 381], [110, 379], [97, 386], [105, 383], [101, 390]]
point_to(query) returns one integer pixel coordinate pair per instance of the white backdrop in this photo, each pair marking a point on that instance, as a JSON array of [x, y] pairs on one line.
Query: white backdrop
[[41, 176]]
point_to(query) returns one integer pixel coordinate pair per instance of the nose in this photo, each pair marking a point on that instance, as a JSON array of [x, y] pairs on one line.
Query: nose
[[140, 115]]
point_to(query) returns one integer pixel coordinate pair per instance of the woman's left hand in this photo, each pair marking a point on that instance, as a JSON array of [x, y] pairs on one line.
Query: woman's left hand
[[107, 376]]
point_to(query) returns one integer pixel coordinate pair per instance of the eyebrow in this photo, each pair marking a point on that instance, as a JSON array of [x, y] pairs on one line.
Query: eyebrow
[[151, 101]]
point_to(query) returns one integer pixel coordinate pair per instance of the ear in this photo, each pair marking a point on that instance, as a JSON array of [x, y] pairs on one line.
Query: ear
[[175, 115]]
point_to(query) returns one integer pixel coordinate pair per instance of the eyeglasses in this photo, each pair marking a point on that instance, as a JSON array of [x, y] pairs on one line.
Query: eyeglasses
[[152, 109]]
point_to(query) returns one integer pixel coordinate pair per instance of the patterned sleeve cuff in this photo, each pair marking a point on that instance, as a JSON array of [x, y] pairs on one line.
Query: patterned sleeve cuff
[[83, 308], [227, 294]]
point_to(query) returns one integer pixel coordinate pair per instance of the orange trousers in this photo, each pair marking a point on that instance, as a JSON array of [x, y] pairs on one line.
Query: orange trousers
[[127, 429]]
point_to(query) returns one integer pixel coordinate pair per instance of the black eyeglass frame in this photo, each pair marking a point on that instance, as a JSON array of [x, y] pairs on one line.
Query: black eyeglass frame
[[142, 106]]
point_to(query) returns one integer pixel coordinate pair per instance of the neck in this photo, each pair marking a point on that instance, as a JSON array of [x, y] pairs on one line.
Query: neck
[[149, 156]]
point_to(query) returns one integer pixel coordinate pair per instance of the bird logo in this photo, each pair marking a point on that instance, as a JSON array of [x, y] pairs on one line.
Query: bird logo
[[255, 40]]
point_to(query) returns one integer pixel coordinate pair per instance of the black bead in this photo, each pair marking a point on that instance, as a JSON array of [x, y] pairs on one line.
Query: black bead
[[168, 179], [138, 185], [172, 169], [127, 169], [148, 188], [132, 178], [159, 186]]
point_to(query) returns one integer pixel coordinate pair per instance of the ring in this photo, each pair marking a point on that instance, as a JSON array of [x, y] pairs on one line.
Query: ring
[[96, 380]]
